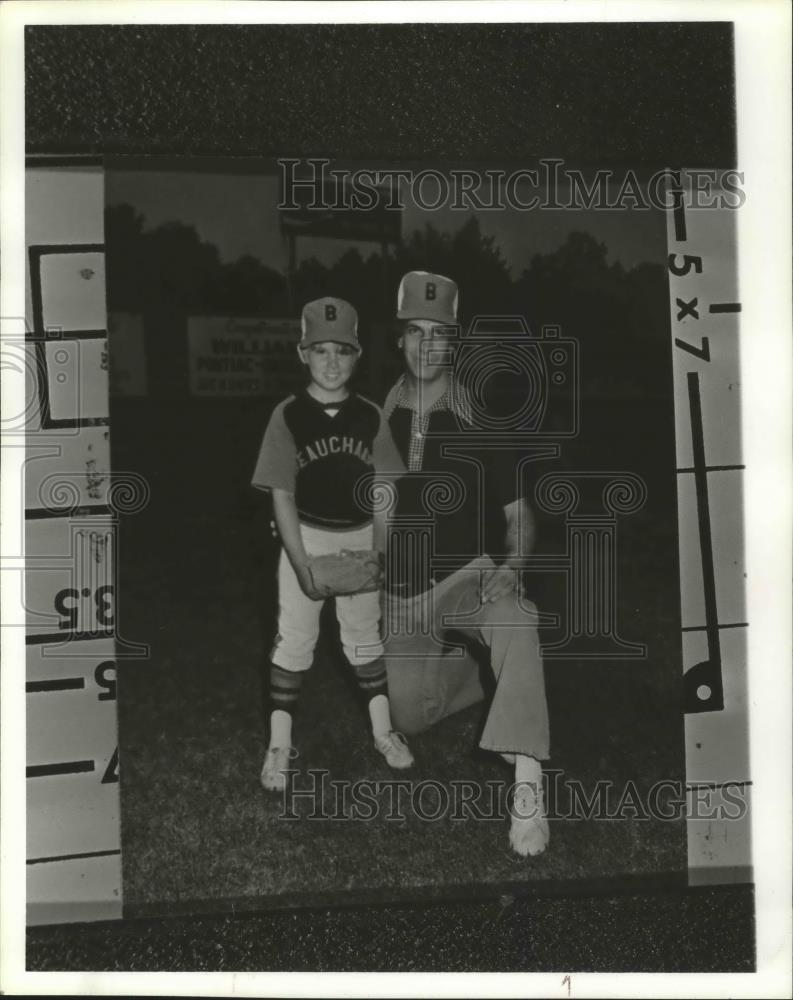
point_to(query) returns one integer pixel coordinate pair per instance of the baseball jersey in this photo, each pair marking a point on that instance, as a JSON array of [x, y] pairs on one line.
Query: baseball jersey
[[320, 452]]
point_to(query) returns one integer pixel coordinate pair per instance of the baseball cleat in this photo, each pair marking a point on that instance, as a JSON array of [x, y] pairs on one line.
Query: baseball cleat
[[394, 748], [276, 762], [528, 833]]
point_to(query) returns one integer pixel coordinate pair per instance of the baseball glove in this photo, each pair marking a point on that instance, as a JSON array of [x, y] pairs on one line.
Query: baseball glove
[[352, 571]]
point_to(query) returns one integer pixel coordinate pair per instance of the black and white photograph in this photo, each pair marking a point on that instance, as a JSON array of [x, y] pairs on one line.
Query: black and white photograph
[[392, 486]]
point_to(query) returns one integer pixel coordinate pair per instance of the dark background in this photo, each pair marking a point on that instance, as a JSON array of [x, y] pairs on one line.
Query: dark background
[[659, 94], [653, 95]]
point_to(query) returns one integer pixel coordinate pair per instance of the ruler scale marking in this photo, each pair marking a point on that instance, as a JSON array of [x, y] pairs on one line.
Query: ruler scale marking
[[74, 857], [705, 537], [703, 628], [679, 210], [715, 468], [64, 767], [59, 684]]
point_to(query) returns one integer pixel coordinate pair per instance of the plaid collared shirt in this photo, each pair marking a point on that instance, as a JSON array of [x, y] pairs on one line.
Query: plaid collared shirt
[[454, 399]]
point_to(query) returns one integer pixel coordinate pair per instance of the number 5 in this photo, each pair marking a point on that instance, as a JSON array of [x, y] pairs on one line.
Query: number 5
[[685, 267]]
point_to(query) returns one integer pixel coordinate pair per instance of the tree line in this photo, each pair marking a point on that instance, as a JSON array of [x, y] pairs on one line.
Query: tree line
[[620, 316]]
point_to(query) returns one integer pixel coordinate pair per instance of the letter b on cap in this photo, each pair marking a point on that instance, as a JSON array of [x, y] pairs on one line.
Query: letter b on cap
[[429, 291], [330, 312]]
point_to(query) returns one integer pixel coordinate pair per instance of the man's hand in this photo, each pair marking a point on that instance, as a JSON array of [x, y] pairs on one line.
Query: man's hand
[[496, 582], [519, 537]]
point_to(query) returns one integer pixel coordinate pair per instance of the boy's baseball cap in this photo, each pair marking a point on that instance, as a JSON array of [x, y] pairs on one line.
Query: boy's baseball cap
[[427, 296], [329, 319]]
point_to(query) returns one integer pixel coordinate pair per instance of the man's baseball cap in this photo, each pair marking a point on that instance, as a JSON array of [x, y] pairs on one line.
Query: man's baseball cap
[[427, 296], [329, 319]]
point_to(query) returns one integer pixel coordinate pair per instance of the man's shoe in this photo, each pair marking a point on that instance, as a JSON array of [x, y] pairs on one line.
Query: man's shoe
[[394, 748], [529, 833], [276, 762]]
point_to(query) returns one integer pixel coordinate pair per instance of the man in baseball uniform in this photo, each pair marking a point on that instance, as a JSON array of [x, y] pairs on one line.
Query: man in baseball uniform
[[483, 534]]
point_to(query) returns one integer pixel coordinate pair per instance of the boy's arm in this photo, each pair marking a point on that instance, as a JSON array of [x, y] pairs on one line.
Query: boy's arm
[[285, 511], [276, 472]]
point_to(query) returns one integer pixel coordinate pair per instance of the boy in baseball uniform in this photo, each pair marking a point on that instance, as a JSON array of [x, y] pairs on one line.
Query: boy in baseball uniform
[[318, 449]]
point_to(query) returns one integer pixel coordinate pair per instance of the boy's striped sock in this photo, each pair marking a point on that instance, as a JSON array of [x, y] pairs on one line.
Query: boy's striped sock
[[373, 682], [372, 678], [285, 688], [284, 693]]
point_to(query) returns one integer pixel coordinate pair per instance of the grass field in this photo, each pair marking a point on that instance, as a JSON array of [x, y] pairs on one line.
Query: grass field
[[197, 587]]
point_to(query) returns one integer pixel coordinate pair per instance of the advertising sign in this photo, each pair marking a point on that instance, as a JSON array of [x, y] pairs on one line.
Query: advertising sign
[[236, 356]]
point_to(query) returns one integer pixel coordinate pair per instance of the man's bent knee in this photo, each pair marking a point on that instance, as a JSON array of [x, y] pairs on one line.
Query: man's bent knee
[[406, 698], [509, 609]]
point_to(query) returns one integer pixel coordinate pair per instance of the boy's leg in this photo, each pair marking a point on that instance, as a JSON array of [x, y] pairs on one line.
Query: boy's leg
[[359, 626], [291, 657], [298, 621], [358, 616], [359, 622]]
